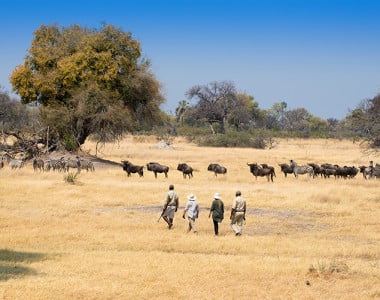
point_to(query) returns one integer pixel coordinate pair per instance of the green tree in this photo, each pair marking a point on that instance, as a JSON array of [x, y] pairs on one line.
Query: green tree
[[298, 120], [276, 116], [180, 111], [14, 116], [244, 113], [373, 121], [364, 121], [88, 81], [319, 127]]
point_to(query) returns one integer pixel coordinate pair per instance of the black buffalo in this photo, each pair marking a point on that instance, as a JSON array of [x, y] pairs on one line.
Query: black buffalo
[[316, 168], [346, 172], [258, 170], [328, 171], [157, 168], [217, 169], [131, 168], [286, 169], [186, 170]]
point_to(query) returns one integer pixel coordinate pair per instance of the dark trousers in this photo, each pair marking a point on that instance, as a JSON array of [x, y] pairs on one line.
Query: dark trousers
[[216, 227]]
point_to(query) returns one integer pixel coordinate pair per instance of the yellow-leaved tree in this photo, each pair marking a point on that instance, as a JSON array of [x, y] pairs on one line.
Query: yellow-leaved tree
[[88, 82]]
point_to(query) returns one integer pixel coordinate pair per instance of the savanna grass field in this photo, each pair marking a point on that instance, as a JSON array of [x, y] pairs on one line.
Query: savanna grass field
[[100, 237]]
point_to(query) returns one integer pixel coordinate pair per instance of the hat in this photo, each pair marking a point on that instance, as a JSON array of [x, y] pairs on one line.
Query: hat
[[192, 197], [217, 196]]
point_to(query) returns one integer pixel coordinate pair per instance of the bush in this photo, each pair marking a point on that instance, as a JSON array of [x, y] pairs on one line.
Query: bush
[[190, 131], [70, 178], [232, 139]]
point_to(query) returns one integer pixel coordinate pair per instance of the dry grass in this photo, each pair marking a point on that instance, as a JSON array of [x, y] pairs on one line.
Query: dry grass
[[99, 238]]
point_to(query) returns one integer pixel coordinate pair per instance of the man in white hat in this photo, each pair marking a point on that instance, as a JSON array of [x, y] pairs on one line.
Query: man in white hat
[[217, 211], [192, 209]]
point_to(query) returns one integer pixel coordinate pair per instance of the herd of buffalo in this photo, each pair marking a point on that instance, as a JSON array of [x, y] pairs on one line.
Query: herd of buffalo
[[264, 170], [312, 170]]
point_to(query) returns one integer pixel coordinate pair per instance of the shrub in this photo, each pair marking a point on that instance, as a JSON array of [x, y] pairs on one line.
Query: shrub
[[70, 178], [232, 139]]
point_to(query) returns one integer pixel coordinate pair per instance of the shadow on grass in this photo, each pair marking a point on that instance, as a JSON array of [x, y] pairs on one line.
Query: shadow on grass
[[9, 263]]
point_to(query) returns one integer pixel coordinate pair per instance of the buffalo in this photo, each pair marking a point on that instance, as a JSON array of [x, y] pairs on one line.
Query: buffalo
[[286, 169], [38, 164], [258, 170], [157, 168], [217, 169], [185, 169], [131, 168], [316, 169], [328, 170], [346, 172]]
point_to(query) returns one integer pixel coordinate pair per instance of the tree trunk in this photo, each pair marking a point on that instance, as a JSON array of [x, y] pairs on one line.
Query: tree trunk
[[223, 125], [212, 128]]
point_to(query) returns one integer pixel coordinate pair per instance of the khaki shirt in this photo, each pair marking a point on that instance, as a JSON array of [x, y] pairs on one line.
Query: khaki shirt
[[239, 204], [171, 199]]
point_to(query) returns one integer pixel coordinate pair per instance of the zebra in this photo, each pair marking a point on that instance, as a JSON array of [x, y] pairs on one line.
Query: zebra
[[299, 170], [87, 164], [72, 163], [16, 163]]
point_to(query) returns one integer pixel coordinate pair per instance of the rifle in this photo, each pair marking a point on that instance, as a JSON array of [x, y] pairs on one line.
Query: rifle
[[163, 210]]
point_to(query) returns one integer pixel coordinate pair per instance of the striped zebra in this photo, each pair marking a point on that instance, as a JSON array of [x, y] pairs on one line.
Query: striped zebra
[[300, 170], [16, 164]]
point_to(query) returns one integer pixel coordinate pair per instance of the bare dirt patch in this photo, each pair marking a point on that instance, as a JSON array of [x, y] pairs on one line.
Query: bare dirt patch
[[272, 221]]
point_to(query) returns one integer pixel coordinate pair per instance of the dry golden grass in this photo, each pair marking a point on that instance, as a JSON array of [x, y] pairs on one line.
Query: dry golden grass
[[99, 238]]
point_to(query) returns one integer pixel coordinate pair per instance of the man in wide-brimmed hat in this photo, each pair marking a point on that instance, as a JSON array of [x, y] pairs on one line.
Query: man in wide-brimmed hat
[[192, 209], [217, 211]]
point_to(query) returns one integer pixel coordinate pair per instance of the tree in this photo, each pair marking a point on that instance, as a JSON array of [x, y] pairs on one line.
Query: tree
[[319, 127], [298, 120], [276, 116], [180, 111], [215, 101], [245, 112], [365, 122], [356, 122], [373, 121], [88, 82], [20, 122], [14, 116]]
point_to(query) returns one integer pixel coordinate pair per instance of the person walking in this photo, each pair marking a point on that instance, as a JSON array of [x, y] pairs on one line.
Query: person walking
[[237, 216], [192, 209], [217, 211], [170, 206]]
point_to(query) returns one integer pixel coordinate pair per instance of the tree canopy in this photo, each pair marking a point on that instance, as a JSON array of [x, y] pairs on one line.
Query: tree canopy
[[88, 81], [215, 101], [364, 121]]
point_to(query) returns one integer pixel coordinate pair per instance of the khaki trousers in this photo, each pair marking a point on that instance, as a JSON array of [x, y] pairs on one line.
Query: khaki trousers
[[237, 222]]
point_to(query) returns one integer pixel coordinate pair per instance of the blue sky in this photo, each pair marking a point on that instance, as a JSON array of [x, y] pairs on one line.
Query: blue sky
[[321, 55]]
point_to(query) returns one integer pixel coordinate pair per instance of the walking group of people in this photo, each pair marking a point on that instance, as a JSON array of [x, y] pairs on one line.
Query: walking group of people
[[237, 215]]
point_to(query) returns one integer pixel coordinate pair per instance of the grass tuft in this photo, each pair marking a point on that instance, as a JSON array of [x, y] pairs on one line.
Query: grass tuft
[[70, 178]]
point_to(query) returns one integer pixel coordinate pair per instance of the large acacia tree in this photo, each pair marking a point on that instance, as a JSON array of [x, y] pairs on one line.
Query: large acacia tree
[[88, 81], [215, 102]]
